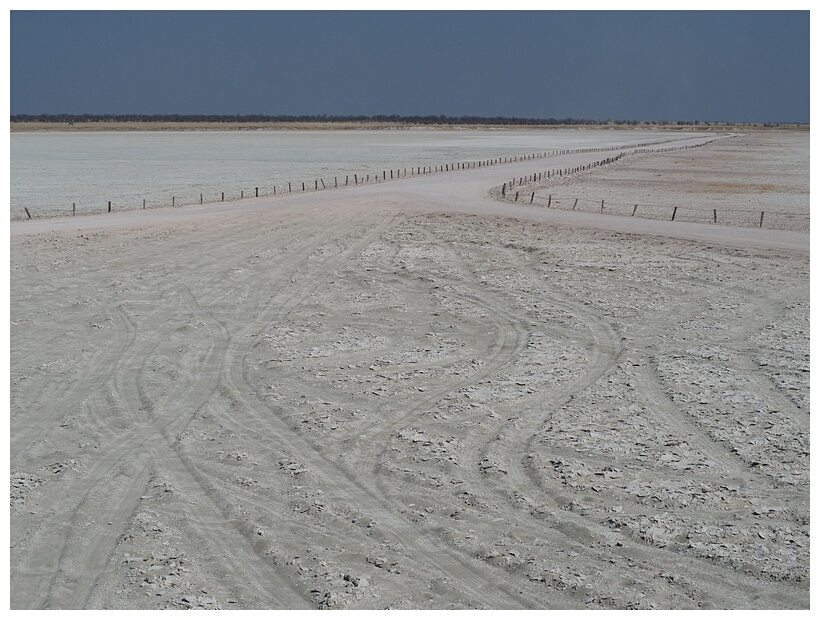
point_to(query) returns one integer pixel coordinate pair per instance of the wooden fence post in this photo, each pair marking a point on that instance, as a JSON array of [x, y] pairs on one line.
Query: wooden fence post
[[504, 190], [602, 206], [532, 197], [761, 218], [575, 204], [674, 211], [323, 183], [173, 201], [634, 209], [257, 192], [714, 213], [200, 199], [109, 206], [516, 196], [27, 213]]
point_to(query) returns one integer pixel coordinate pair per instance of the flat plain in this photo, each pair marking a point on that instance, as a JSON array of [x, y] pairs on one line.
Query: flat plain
[[416, 395]]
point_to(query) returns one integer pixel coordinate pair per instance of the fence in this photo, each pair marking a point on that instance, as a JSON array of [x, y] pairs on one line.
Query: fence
[[337, 182], [747, 218], [526, 189]]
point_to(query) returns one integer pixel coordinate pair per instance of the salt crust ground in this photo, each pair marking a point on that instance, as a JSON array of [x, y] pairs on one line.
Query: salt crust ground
[[734, 180], [387, 403]]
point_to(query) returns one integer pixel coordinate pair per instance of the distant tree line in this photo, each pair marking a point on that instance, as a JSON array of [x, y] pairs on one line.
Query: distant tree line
[[263, 118]]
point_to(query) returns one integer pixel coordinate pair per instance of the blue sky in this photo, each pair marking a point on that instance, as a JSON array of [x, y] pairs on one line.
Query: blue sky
[[622, 65]]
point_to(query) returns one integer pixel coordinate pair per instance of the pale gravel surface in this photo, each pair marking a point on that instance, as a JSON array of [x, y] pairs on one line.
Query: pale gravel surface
[[410, 396]]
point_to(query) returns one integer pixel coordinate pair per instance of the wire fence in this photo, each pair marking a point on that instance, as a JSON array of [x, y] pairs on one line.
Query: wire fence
[[529, 189], [747, 218], [188, 197]]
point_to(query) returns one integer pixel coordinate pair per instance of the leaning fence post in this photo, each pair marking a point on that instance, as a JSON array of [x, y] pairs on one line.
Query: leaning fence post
[[516, 196], [532, 197], [761, 218], [675, 210], [575, 204], [27, 213], [634, 209]]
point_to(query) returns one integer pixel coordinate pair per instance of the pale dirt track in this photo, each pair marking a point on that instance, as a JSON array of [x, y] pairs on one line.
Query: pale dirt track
[[408, 395]]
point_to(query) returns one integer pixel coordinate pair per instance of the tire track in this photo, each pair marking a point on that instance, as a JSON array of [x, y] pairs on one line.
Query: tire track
[[43, 412], [608, 348], [122, 444], [127, 365], [345, 488], [525, 483]]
